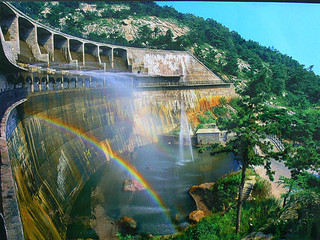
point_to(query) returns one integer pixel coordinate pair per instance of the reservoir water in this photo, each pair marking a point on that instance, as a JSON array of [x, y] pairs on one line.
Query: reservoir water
[[103, 200]]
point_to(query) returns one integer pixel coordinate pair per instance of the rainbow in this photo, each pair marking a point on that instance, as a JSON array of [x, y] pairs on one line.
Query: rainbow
[[106, 149]]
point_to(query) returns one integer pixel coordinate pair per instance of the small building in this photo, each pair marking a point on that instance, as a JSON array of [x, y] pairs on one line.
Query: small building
[[210, 135]]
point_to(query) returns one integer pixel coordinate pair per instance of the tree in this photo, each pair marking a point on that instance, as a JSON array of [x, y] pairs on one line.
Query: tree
[[144, 35], [245, 123], [156, 31], [232, 64], [223, 101], [53, 17], [165, 41], [302, 151], [304, 197], [73, 26], [301, 155]]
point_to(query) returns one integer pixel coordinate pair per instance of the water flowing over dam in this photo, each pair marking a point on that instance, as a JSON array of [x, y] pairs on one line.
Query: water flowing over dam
[[75, 110]]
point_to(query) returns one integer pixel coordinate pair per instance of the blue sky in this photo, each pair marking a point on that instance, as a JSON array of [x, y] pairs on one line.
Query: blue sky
[[292, 28]]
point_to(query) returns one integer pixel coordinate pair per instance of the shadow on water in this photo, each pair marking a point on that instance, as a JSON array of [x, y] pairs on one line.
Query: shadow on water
[[103, 201], [79, 221]]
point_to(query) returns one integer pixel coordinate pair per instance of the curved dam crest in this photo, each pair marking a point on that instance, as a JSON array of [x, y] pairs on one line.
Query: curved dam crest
[[51, 166]]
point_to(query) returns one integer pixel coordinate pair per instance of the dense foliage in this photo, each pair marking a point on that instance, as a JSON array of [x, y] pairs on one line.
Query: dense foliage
[[256, 212], [300, 218], [214, 44], [299, 132], [225, 192]]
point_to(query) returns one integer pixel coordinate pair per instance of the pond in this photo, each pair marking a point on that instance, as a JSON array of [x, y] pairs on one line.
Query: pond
[[103, 200]]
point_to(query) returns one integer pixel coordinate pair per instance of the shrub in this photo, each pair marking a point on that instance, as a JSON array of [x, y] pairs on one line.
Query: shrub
[[255, 214], [220, 111]]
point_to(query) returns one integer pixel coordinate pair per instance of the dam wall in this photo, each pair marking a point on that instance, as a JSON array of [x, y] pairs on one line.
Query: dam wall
[[51, 162], [54, 142]]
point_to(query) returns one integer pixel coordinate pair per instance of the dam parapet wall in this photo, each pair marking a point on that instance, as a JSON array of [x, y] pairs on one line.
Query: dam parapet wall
[[7, 98], [12, 228]]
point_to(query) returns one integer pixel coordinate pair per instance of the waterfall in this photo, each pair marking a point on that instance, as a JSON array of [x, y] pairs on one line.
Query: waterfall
[[184, 138]]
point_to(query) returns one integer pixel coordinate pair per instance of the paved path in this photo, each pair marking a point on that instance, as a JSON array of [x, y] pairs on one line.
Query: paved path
[[280, 170]]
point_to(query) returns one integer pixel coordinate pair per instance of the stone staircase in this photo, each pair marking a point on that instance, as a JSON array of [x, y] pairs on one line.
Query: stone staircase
[[248, 186], [276, 142]]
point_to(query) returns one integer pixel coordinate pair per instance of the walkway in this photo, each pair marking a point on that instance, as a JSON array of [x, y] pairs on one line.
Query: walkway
[[280, 170]]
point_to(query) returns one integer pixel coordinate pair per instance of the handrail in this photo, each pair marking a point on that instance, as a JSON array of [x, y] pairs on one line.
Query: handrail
[[178, 84]]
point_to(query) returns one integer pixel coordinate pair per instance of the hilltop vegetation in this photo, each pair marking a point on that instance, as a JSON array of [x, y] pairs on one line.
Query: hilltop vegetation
[[146, 24]]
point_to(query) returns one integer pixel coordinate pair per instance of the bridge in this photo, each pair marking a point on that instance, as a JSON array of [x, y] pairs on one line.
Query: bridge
[[44, 72]]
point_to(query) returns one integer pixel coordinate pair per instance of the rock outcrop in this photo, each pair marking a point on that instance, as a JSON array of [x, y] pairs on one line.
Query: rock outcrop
[[196, 215], [133, 185], [202, 195], [127, 225]]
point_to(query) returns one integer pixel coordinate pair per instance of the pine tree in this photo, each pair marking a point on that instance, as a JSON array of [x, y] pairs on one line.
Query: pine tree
[[248, 145]]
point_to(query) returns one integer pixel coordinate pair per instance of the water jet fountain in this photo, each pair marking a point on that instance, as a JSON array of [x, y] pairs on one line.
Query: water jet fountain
[[184, 138]]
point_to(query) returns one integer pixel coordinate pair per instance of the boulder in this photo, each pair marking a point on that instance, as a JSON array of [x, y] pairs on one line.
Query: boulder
[[133, 185], [127, 225], [202, 196], [126, 22], [196, 215]]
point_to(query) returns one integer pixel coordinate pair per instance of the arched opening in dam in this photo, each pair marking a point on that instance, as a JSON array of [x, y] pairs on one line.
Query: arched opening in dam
[[75, 151]]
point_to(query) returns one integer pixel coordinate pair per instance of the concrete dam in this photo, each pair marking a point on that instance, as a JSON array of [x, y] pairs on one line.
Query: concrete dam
[[70, 105]]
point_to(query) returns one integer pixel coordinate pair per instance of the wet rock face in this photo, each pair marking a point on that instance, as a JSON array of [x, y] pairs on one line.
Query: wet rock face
[[127, 225]]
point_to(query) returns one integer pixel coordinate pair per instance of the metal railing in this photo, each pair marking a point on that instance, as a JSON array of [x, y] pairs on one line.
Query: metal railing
[[181, 84], [276, 141]]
